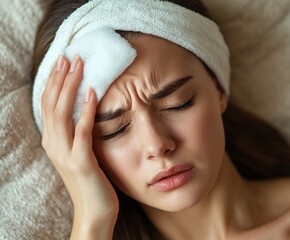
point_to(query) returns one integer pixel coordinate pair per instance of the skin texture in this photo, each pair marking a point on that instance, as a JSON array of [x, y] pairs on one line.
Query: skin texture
[[153, 134], [157, 137]]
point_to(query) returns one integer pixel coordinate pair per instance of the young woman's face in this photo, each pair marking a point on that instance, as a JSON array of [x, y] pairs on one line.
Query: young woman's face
[[161, 116]]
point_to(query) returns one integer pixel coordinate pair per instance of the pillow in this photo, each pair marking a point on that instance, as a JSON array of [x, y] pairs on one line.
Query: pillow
[[258, 35], [34, 201]]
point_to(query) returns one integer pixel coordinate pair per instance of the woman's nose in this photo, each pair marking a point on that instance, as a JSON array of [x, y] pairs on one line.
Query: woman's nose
[[157, 139]]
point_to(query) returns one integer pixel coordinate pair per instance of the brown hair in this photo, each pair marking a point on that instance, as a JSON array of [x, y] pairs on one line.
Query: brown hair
[[256, 148]]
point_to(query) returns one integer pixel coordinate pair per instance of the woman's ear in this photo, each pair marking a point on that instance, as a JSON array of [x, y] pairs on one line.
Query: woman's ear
[[223, 101]]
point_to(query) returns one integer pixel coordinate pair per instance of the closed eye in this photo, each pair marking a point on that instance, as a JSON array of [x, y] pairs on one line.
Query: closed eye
[[121, 130], [181, 107], [115, 134]]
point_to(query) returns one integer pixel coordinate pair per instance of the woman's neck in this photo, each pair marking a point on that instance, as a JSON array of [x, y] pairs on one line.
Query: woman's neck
[[222, 211]]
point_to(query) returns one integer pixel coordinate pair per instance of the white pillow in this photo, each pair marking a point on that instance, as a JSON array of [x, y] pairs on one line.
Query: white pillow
[[34, 202], [258, 34]]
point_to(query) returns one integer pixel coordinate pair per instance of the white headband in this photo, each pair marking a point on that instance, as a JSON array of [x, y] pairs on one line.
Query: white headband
[[87, 31]]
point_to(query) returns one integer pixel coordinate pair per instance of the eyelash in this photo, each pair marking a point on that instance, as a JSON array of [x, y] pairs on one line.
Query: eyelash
[[115, 134], [181, 107]]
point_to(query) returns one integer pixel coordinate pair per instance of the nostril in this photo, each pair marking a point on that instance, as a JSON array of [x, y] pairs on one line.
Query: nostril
[[157, 152], [167, 152]]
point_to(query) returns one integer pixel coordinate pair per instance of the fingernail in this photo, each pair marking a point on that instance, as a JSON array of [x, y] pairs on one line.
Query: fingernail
[[59, 63], [88, 94], [74, 63]]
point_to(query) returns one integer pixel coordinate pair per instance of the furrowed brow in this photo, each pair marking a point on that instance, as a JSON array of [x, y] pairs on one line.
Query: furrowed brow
[[170, 88], [106, 116], [167, 90]]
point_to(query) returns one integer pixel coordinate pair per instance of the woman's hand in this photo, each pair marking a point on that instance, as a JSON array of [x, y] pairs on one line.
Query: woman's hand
[[70, 150]]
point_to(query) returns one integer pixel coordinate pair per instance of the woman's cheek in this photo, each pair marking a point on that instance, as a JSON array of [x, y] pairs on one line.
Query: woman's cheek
[[205, 130], [116, 158], [213, 133]]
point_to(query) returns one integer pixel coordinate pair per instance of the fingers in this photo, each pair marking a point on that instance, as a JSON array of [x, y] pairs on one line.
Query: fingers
[[57, 106], [58, 100], [51, 94], [54, 85], [64, 108], [85, 125]]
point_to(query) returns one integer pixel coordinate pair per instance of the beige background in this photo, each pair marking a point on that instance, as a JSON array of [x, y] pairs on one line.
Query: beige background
[[33, 201]]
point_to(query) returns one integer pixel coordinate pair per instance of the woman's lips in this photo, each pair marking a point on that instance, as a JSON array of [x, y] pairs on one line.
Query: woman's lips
[[172, 178]]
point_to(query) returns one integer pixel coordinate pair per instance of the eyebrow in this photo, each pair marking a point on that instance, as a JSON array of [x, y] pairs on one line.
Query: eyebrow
[[170, 88], [164, 92]]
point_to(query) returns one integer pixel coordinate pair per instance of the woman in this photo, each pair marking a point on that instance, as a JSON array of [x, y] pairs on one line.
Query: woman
[[148, 160]]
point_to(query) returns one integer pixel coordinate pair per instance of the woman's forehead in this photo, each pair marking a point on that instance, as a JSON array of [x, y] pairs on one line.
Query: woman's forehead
[[157, 60], [149, 45], [157, 63]]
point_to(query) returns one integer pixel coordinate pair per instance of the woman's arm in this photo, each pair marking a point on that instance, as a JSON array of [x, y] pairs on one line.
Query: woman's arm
[[70, 150], [86, 228]]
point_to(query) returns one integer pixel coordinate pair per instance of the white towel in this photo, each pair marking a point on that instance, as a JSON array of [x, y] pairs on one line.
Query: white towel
[[106, 55], [177, 24]]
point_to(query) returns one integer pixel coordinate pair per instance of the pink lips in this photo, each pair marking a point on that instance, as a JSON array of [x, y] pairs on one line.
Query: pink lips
[[172, 178]]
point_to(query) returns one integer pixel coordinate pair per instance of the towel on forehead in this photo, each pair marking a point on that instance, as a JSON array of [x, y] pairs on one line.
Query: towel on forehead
[[89, 32], [106, 55]]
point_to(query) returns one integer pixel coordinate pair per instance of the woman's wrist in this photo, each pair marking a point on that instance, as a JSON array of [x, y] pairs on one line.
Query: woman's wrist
[[93, 227]]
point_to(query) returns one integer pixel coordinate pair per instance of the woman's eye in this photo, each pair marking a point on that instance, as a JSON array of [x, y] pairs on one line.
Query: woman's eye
[[181, 107], [114, 134]]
